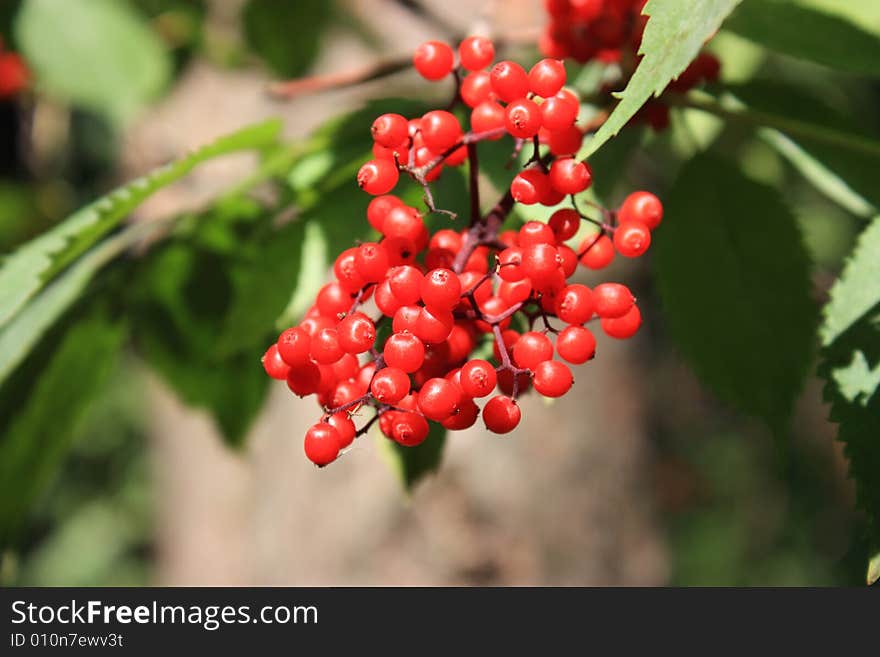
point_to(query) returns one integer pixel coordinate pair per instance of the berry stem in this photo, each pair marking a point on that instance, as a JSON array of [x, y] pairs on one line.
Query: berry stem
[[474, 182], [506, 363], [364, 429]]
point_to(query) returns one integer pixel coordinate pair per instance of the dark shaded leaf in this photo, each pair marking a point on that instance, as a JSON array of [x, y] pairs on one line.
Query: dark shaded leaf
[[807, 33], [41, 414], [851, 368], [733, 275], [413, 463], [286, 34]]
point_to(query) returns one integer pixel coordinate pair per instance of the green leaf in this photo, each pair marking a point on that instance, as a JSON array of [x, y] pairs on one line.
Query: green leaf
[[858, 289], [851, 369], [40, 429], [830, 149], [873, 573], [733, 276], [808, 33], [262, 286], [673, 36], [611, 163], [310, 277], [413, 463], [99, 54], [28, 269], [184, 294], [20, 335], [286, 34]]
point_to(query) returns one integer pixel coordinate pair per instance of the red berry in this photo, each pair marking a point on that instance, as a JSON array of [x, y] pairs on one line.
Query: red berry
[[372, 261], [476, 88], [515, 292], [405, 318], [378, 176], [433, 60], [346, 271], [612, 299], [475, 284], [344, 427], [304, 379], [575, 344], [379, 207], [390, 130], [510, 264], [438, 398], [491, 308], [547, 77], [569, 176], [457, 157], [540, 263], [356, 333], [552, 378], [623, 327], [564, 223], [390, 385], [643, 207], [405, 351], [322, 444], [294, 345], [332, 300], [529, 186], [477, 378], [433, 326], [408, 428], [406, 223], [523, 118], [574, 304], [405, 282], [461, 342], [440, 289], [314, 323], [532, 348], [465, 416], [346, 367], [440, 130], [568, 260], [425, 156], [559, 112], [488, 116], [509, 81], [385, 300], [566, 141], [535, 232], [476, 52], [632, 239], [447, 239], [501, 414], [274, 365], [597, 252], [325, 347]]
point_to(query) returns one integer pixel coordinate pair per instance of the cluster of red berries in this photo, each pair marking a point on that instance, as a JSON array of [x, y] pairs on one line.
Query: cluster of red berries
[[610, 31], [506, 99], [398, 328], [13, 73]]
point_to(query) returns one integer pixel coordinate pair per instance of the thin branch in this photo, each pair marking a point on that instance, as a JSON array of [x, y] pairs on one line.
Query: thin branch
[[287, 89], [474, 182], [339, 79]]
